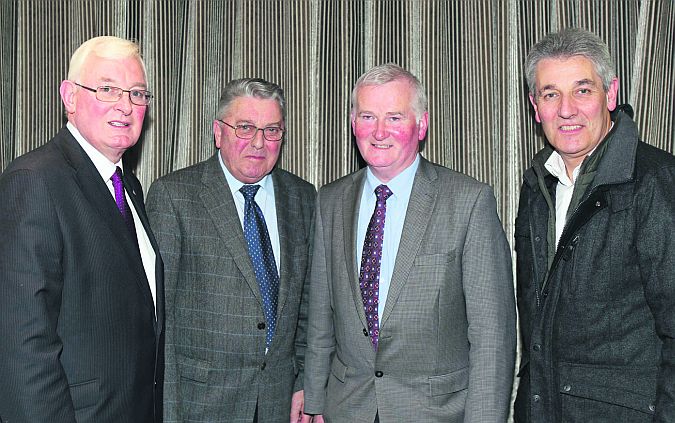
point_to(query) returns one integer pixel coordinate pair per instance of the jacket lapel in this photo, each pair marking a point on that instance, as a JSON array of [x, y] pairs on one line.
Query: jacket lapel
[[135, 192], [96, 192], [417, 217], [218, 201], [287, 216], [352, 199]]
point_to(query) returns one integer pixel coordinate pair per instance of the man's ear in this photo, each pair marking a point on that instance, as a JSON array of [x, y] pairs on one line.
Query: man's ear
[[217, 133], [536, 111], [612, 94], [68, 90], [423, 126]]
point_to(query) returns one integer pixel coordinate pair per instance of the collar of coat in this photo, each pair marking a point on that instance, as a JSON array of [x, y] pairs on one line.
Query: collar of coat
[[618, 162]]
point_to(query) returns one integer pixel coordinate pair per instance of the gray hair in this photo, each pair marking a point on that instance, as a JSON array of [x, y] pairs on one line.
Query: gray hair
[[567, 43], [383, 74], [250, 87]]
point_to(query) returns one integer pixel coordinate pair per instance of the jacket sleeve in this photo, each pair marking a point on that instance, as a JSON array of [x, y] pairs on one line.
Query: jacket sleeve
[[164, 224], [491, 313], [301, 332], [656, 256], [34, 387], [320, 332]]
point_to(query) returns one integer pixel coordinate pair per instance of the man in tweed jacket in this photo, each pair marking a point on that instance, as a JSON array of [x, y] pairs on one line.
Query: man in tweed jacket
[[218, 365], [444, 344]]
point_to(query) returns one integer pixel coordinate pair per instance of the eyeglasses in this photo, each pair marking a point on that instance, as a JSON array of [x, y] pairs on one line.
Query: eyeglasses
[[113, 94], [247, 131]]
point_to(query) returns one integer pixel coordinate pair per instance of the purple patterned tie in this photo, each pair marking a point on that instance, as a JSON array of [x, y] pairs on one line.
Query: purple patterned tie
[[369, 276], [121, 201]]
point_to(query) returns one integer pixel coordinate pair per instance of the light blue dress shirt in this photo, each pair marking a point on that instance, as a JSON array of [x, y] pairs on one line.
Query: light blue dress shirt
[[397, 205], [265, 200]]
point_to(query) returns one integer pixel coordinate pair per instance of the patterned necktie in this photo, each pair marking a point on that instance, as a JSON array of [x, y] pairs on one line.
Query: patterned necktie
[[122, 204], [371, 259], [262, 257]]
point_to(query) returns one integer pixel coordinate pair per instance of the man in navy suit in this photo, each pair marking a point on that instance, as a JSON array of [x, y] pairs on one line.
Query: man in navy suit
[[81, 291]]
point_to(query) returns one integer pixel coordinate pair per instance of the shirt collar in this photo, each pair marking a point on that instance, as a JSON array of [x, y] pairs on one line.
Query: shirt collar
[[400, 185], [235, 184], [556, 166], [104, 166]]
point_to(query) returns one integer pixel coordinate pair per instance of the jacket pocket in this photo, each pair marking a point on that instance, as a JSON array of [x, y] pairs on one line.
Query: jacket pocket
[[84, 394], [338, 369], [434, 259], [192, 369], [614, 391], [449, 383]]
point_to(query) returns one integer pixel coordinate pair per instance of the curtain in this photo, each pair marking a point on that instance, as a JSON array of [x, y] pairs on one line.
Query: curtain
[[468, 54]]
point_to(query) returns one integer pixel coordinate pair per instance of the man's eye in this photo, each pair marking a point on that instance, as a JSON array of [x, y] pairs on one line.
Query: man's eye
[[105, 89], [137, 94], [366, 117], [549, 96], [246, 127], [272, 130], [584, 91]]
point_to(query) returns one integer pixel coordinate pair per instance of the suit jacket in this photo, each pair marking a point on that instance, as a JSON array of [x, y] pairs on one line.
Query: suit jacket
[[80, 341], [447, 333], [217, 369]]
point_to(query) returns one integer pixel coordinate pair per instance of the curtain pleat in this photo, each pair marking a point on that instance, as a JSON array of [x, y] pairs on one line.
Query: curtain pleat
[[468, 54]]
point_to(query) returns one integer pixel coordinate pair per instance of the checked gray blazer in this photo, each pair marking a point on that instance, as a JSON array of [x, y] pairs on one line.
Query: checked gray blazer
[[447, 334], [216, 366]]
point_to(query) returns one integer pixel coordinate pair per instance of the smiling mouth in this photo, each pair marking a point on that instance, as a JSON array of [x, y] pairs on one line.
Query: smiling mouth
[[381, 146], [570, 127], [118, 124]]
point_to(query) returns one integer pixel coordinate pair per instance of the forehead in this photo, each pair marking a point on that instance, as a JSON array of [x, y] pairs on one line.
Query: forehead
[[395, 95], [252, 108], [563, 71], [127, 70]]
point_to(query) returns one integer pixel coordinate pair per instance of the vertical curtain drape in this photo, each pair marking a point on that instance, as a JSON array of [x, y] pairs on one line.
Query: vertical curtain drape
[[469, 55]]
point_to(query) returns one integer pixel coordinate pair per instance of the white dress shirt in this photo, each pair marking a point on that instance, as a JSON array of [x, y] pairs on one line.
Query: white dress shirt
[[397, 205], [106, 169]]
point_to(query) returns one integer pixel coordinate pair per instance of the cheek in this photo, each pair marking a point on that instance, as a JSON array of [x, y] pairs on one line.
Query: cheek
[[139, 112], [363, 130]]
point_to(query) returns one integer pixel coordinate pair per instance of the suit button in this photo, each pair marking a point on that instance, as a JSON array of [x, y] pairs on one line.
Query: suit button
[[263, 365], [536, 398], [652, 407], [536, 347], [261, 325], [379, 374], [365, 332], [567, 388]]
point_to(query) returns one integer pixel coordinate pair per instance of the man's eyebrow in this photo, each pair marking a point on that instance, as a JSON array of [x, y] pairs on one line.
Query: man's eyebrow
[[586, 81]]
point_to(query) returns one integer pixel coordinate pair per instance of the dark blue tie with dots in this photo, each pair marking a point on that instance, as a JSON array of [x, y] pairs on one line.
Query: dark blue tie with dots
[[262, 257]]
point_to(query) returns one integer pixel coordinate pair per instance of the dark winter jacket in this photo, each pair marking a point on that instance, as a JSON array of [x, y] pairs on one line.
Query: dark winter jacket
[[598, 327]]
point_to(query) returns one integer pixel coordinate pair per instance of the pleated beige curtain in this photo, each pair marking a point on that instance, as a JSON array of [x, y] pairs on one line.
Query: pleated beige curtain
[[469, 55]]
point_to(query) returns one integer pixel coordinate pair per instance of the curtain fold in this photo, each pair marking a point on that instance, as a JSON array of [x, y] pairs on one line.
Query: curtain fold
[[468, 54]]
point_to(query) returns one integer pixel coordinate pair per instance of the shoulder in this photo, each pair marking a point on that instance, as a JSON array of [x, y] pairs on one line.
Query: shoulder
[[293, 183], [185, 178], [450, 181], [338, 186]]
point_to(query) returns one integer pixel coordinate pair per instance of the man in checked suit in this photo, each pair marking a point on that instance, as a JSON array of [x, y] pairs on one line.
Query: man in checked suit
[[235, 232], [419, 325], [81, 294]]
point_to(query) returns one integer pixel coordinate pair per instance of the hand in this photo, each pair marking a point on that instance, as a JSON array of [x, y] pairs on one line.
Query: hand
[[297, 406]]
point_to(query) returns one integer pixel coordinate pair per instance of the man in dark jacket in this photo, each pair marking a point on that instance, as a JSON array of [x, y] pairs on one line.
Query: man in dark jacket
[[595, 242]]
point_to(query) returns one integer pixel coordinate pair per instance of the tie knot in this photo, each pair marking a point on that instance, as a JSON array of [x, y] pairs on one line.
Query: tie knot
[[117, 176], [383, 192], [249, 191]]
